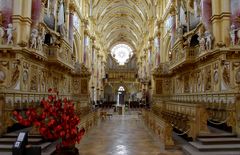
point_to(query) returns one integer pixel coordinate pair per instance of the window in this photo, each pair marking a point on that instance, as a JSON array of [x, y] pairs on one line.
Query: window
[[121, 53], [121, 88]]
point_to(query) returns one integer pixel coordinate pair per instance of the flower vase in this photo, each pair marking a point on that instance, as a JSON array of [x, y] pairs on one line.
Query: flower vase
[[68, 150]]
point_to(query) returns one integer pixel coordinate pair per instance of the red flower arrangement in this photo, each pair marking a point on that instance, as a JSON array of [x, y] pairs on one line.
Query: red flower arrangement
[[55, 120]]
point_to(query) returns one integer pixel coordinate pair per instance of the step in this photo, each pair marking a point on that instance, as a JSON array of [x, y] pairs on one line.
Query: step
[[215, 147], [216, 135], [12, 140], [190, 150], [6, 152], [8, 147], [225, 140], [14, 135], [50, 149]]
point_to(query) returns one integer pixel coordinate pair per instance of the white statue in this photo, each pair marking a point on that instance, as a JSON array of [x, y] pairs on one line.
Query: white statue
[[40, 39], [202, 43], [208, 37], [10, 30], [233, 34], [33, 40]]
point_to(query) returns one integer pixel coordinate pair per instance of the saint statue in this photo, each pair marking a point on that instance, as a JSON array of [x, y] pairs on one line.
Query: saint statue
[[232, 32]]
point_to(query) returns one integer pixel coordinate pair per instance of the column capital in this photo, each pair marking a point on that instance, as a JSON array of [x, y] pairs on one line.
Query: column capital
[[86, 32], [158, 34], [151, 39], [172, 10], [72, 7], [85, 21], [93, 38], [44, 1]]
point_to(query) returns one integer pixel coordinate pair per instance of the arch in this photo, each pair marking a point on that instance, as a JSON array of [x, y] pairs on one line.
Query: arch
[[121, 88], [194, 40], [108, 93]]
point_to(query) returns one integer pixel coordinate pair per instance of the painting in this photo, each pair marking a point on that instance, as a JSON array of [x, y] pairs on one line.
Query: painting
[[158, 86], [84, 86]]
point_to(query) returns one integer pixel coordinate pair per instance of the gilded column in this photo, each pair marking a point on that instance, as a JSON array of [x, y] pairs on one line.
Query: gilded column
[[158, 48], [86, 33], [226, 21], [17, 12], [22, 21], [207, 12]]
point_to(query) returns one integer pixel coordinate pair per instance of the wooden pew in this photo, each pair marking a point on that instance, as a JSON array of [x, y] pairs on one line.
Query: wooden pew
[[189, 118], [89, 120], [159, 126]]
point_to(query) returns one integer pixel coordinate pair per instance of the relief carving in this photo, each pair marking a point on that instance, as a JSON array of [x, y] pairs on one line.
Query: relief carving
[[186, 84], [226, 74], [2, 76], [33, 81], [237, 76], [208, 84], [215, 74], [15, 73]]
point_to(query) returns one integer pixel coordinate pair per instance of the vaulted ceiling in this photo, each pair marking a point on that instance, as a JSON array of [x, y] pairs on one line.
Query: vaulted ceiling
[[122, 20]]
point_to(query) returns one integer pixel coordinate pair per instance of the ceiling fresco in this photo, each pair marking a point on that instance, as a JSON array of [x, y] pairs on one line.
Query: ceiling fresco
[[122, 21]]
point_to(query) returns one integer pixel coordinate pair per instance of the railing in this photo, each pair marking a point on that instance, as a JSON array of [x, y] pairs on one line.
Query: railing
[[61, 56], [15, 98], [226, 97], [182, 57]]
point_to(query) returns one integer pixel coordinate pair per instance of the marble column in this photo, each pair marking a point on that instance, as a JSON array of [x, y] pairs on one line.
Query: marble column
[[85, 49], [6, 9], [159, 49], [70, 36], [42, 14], [36, 12], [173, 29], [235, 12], [207, 12]]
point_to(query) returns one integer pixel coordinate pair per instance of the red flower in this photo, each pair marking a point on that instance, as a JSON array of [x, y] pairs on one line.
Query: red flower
[[56, 119]]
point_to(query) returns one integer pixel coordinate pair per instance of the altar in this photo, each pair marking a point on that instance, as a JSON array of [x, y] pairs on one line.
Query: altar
[[120, 109]]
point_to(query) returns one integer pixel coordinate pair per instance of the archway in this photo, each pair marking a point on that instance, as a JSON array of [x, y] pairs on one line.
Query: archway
[[120, 95]]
